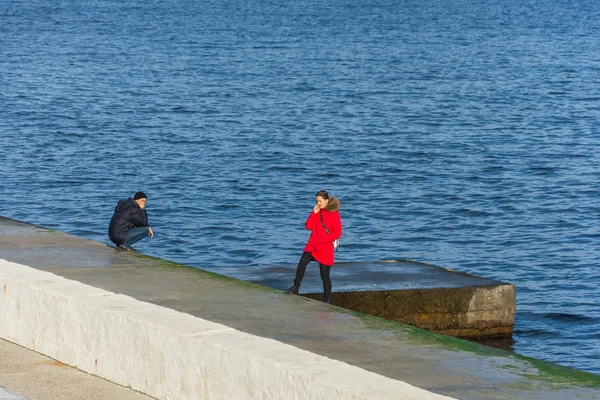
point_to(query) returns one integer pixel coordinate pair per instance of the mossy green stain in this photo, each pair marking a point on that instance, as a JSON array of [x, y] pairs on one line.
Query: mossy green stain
[[418, 334], [558, 374], [530, 369]]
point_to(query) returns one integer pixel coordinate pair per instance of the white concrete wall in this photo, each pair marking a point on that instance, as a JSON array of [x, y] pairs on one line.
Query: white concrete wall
[[167, 354]]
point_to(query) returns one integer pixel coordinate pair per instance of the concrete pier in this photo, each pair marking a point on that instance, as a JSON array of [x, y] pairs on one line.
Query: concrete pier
[[160, 327], [429, 297]]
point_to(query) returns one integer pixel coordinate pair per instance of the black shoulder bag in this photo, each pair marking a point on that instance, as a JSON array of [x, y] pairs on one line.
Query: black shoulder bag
[[336, 242]]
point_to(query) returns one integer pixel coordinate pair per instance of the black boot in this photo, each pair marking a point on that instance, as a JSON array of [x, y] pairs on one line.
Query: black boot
[[327, 300], [293, 290]]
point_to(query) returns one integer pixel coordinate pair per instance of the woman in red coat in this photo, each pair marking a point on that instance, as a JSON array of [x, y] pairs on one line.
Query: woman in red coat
[[325, 225]]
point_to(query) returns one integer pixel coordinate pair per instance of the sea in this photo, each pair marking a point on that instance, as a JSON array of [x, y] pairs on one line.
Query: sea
[[459, 133]]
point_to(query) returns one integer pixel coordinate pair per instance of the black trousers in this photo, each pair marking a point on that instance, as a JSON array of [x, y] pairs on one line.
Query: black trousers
[[301, 269]]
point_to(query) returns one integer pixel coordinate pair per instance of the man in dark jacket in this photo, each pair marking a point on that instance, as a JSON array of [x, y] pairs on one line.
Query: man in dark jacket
[[129, 224]]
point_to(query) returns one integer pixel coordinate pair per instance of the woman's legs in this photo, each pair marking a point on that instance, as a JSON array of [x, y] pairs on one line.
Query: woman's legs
[[300, 269], [325, 269]]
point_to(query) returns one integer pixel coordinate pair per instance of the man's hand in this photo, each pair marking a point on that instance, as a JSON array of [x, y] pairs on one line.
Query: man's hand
[[151, 232]]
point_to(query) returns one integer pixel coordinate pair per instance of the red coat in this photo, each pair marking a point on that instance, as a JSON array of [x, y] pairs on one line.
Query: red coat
[[320, 244]]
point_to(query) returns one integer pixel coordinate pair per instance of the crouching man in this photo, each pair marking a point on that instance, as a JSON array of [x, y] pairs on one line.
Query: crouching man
[[129, 224]]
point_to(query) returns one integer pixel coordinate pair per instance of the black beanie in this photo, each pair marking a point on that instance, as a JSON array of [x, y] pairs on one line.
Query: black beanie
[[139, 195]]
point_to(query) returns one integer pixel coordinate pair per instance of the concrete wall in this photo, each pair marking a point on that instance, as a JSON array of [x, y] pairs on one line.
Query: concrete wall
[[167, 354]]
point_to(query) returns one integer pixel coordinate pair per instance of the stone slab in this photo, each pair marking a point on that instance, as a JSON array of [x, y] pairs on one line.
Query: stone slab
[[426, 296]]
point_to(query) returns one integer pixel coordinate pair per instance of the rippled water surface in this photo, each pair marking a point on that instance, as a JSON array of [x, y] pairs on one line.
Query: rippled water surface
[[459, 133]]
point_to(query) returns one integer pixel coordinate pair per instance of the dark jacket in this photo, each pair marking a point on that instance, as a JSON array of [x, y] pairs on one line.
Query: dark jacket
[[127, 215]]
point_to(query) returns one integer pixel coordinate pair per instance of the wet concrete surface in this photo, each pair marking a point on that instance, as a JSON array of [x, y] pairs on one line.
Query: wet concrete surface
[[364, 276], [433, 362]]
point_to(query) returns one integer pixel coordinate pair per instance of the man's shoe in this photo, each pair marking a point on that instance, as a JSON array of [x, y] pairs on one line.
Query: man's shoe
[[122, 247], [328, 300], [293, 290]]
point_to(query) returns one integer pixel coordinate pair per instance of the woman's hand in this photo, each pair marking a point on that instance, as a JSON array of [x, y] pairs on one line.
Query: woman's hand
[[316, 209]]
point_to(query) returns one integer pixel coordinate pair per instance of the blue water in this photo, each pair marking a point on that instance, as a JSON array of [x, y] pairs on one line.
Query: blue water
[[459, 133]]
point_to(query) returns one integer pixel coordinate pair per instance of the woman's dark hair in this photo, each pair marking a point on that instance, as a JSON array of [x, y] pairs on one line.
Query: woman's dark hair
[[323, 194]]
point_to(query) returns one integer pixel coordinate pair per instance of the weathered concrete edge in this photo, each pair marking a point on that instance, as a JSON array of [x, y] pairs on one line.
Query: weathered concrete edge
[[468, 311], [168, 354]]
